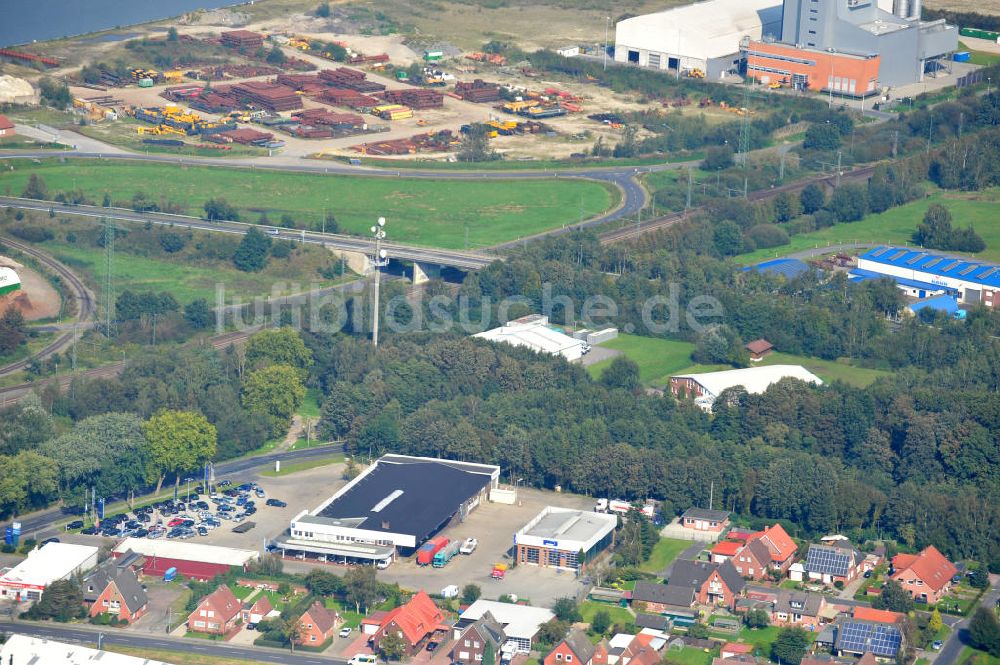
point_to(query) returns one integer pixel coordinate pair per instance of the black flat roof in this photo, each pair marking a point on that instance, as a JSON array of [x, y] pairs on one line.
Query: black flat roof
[[408, 495]]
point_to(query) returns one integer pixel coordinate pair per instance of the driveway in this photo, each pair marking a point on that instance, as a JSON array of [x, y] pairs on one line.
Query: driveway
[[953, 646], [161, 597]]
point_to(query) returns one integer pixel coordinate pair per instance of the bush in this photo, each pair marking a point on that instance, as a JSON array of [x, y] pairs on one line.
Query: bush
[[31, 233], [768, 235], [718, 158], [172, 242]]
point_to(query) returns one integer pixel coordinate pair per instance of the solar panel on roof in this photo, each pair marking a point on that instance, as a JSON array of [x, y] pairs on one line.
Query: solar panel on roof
[[860, 637], [949, 266], [966, 271], [988, 273], [898, 254], [880, 251], [915, 259], [933, 262], [827, 561]]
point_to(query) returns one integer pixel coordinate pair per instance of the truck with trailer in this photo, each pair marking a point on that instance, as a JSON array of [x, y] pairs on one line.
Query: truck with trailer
[[445, 554], [425, 555]]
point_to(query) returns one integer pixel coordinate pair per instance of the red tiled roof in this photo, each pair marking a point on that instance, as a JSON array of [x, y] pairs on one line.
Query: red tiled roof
[[727, 548], [417, 618], [778, 542], [759, 346], [319, 616], [930, 566], [5, 122], [737, 647], [880, 616], [262, 606], [223, 602]]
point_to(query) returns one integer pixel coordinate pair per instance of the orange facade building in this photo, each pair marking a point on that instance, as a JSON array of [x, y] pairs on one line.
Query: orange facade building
[[808, 69]]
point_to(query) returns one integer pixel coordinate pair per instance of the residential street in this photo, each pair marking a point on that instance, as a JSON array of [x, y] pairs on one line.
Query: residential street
[[953, 646]]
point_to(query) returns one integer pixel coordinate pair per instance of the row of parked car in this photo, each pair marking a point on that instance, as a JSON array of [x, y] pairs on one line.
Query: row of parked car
[[184, 519]]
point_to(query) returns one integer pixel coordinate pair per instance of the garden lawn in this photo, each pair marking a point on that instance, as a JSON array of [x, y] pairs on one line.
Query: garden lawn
[[351, 618], [897, 225], [763, 638], [657, 358], [618, 614], [981, 657], [664, 552], [421, 211], [241, 592], [687, 656], [828, 370]]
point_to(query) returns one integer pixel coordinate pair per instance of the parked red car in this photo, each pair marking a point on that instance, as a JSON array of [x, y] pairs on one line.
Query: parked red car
[[175, 522]]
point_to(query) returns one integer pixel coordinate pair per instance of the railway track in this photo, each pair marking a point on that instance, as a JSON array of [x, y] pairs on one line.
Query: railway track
[[84, 298], [666, 221]]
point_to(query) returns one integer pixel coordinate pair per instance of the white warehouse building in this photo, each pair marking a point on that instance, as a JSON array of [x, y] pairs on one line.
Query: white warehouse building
[[50, 563], [533, 332], [704, 35]]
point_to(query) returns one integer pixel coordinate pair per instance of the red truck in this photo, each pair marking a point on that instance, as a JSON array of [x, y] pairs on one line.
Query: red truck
[[425, 555]]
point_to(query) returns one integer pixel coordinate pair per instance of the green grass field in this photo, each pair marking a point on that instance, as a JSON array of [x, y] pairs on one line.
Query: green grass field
[[296, 467], [897, 225], [828, 370], [186, 282], [419, 211], [664, 552], [311, 404], [589, 608], [657, 358], [687, 656]]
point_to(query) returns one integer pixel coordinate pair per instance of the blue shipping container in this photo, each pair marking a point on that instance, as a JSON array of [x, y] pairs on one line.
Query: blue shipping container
[[962, 56], [170, 575]]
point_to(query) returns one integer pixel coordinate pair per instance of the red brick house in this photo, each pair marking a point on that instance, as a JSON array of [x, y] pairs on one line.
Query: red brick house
[[317, 625], [752, 560], [640, 652], [256, 611], [216, 614], [470, 647], [780, 544], [115, 589], [575, 649], [712, 583], [601, 653], [415, 622], [787, 607], [927, 576], [662, 598], [6, 126], [702, 519]]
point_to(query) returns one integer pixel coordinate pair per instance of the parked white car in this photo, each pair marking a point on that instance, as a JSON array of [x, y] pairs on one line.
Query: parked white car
[[469, 546]]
